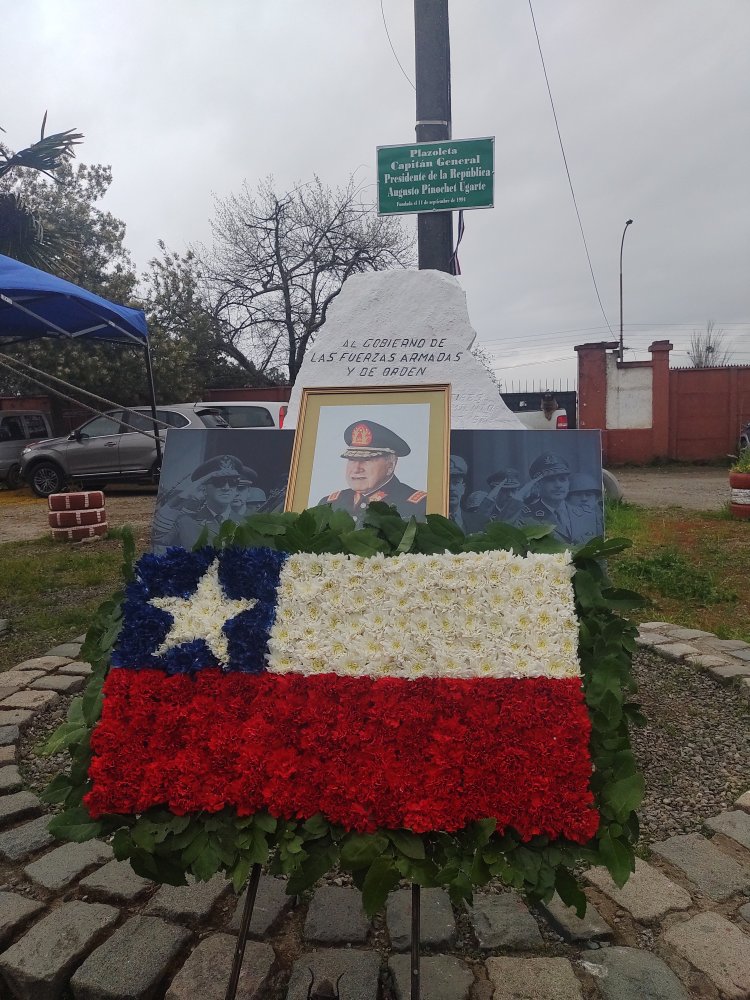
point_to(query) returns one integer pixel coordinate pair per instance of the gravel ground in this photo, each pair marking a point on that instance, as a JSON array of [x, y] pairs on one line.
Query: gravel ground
[[694, 751]]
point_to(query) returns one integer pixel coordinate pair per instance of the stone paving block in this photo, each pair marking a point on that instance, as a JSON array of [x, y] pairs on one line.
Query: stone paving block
[[647, 895], [678, 632], [728, 671], [43, 663], [735, 824], [15, 912], [37, 966], [713, 872], [8, 735], [26, 839], [29, 699], [17, 806], [65, 864], [8, 754], [76, 667], [633, 974], [743, 802], [706, 662], [741, 654], [116, 882], [592, 927], [132, 963], [188, 902], [69, 650], [503, 921], [271, 902], [654, 625], [64, 683], [10, 779], [15, 717], [11, 678], [441, 977], [710, 943], [205, 975], [336, 916], [728, 644], [676, 650], [652, 639], [360, 971], [6, 692], [437, 925], [533, 979], [744, 912]]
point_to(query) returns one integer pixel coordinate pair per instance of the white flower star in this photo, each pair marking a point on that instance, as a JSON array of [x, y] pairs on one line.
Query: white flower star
[[202, 615]]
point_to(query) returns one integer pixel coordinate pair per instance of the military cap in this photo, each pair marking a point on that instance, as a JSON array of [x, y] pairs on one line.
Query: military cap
[[247, 476], [509, 478], [366, 439], [221, 467], [255, 495], [582, 482], [458, 466], [548, 464]]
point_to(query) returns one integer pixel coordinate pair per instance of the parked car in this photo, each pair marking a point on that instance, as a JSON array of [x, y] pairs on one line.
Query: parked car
[[117, 446], [243, 413], [744, 441], [17, 429]]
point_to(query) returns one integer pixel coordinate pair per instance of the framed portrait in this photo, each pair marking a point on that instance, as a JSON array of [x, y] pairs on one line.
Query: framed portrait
[[215, 475], [355, 446], [528, 477]]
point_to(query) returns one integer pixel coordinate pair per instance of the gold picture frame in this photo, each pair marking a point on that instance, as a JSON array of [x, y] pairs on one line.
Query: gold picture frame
[[372, 423]]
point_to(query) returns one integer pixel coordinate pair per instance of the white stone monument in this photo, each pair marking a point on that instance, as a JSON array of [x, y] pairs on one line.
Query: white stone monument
[[399, 328]]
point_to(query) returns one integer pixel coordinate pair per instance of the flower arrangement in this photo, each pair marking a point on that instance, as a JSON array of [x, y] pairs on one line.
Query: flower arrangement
[[296, 696]]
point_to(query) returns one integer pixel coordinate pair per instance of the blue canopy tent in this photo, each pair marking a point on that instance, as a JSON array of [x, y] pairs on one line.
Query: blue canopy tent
[[35, 304]]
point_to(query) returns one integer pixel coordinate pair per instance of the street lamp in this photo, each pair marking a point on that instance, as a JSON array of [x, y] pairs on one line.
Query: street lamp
[[622, 243]]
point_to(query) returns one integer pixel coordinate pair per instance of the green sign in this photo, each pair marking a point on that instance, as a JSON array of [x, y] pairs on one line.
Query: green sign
[[441, 176]]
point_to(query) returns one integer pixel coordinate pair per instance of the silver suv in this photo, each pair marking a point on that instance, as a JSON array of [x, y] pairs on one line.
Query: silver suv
[[118, 446]]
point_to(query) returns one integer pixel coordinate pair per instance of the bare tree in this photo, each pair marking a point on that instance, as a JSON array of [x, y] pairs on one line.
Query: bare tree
[[707, 349], [278, 261]]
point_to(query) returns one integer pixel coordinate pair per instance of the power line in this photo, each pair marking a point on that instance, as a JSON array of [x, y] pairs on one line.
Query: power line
[[567, 171], [388, 36]]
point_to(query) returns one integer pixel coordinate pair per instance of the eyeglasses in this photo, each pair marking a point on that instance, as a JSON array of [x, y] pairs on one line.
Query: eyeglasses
[[226, 481]]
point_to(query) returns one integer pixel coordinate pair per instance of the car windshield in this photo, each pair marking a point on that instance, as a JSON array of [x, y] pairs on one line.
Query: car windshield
[[212, 418]]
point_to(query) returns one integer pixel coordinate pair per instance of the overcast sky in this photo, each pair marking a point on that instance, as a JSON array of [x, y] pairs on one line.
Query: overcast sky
[[186, 99]]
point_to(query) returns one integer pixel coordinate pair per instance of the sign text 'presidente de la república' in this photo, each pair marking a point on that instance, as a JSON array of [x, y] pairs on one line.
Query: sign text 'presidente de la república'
[[444, 176]]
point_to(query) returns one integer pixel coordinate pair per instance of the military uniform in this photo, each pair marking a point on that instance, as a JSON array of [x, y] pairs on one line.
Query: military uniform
[[496, 504], [188, 527], [535, 510], [458, 470], [366, 440], [585, 500]]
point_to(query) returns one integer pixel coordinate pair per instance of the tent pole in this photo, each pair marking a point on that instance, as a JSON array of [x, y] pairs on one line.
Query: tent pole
[[150, 374]]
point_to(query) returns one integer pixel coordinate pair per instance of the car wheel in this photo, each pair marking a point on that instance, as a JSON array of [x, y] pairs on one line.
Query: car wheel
[[13, 479], [46, 478]]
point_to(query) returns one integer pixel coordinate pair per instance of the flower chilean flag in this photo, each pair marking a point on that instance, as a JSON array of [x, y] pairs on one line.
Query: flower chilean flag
[[417, 691]]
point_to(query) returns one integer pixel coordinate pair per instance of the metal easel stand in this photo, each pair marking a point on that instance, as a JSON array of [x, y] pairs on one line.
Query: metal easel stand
[[247, 916], [415, 919]]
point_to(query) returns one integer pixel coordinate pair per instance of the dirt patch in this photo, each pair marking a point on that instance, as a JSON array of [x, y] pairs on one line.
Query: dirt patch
[[692, 487], [24, 516]]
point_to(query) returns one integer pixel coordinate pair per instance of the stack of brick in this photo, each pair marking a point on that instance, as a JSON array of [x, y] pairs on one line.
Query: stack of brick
[[75, 516]]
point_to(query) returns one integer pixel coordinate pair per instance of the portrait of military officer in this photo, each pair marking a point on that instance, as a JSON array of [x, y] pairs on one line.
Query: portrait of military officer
[[372, 453], [249, 498], [217, 482], [585, 500], [550, 479], [458, 470], [502, 501]]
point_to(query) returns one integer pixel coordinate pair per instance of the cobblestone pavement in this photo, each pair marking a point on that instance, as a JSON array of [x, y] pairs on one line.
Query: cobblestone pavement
[[74, 923]]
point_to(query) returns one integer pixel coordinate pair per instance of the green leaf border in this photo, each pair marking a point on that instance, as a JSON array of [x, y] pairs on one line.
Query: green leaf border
[[167, 848]]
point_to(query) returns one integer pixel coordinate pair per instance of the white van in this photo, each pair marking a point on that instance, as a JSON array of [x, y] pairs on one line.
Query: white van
[[17, 429]]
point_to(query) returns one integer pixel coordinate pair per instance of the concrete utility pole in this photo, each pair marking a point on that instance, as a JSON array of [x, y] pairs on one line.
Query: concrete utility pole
[[433, 84]]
